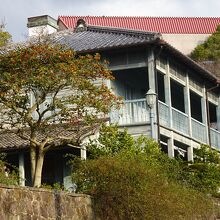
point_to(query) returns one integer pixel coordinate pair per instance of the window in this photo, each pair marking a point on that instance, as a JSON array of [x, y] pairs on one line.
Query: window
[[177, 95], [161, 90], [196, 108], [213, 115]]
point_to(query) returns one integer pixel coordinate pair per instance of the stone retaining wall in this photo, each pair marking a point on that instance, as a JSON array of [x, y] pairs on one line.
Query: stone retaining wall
[[25, 203]]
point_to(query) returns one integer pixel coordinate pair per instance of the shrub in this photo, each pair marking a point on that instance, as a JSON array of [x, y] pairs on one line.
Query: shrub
[[205, 171], [133, 179], [129, 186], [7, 176]]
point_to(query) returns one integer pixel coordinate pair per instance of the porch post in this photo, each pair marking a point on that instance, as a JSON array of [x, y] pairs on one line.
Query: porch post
[[170, 145], [83, 152], [188, 111], [152, 124], [152, 86], [167, 88], [190, 152], [204, 114], [151, 70], [168, 93], [188, 104], [21, 169]]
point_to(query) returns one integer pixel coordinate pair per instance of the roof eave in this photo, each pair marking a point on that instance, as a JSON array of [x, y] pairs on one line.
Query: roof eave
[[102, 49], [209, 75]]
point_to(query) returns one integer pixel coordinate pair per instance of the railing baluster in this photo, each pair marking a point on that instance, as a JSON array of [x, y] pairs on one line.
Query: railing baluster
[[198, 131], [132, 111], [180, 121], [137, 111], [215, 138], [164, 113]]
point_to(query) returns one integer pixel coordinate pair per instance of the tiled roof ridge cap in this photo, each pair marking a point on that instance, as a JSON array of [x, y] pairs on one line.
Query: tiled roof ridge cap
[[116, 30]]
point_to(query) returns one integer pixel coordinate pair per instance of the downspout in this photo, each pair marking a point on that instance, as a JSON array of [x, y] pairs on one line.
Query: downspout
[[156, 56], [207, 110]]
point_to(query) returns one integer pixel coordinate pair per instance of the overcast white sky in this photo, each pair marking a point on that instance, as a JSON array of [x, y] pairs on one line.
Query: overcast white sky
[[16, 12]]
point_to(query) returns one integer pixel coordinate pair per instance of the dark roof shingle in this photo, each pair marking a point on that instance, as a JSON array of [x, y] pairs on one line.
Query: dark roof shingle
[[10, 140], [96, 38]]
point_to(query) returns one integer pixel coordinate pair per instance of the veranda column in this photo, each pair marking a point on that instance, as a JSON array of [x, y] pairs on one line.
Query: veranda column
[[83, 152], [190, 152], [152, 86], [204, 113], [21, 169], [167, 87], [170, 145], [188, 111], [188, 104]]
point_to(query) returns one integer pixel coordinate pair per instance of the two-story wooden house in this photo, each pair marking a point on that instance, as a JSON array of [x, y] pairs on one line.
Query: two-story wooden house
[[186, 112]]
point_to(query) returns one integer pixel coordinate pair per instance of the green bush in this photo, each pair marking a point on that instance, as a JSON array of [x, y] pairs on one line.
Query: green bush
[[210, 49], [55, 186], [205, 171], [129, 186], [132, 179], [110, 142], [7, 176]]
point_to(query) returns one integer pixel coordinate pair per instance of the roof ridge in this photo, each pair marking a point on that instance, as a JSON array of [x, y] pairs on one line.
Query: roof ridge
[[132, 32]]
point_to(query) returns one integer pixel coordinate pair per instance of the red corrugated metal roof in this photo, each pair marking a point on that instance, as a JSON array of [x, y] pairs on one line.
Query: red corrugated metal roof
[[164, 25]]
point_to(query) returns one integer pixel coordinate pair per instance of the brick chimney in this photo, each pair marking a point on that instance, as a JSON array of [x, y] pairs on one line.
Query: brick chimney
[[43, 24]]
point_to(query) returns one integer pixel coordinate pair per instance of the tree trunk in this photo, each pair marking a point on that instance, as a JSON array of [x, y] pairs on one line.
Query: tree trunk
[[38, 170], [33, 162]]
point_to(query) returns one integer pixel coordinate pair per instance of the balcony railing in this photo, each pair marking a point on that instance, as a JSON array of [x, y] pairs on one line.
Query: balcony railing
[[136, 111], [198, 131], [180, 121], [131, 112], [164, 114], [215, 138]]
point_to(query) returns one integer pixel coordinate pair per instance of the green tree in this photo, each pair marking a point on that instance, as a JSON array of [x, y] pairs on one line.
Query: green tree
[[110, 142], [202, 175], [47, 91], [8, 174], [132, 179], [5, 37], [205, 170], [209, 51], [132, 185]]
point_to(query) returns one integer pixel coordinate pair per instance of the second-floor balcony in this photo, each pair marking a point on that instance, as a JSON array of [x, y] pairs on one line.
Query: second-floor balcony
[[134, 112]]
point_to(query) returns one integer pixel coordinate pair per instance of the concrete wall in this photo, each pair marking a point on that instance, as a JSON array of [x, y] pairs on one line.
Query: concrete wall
[[185, 42], [21, 203], [41, 30]]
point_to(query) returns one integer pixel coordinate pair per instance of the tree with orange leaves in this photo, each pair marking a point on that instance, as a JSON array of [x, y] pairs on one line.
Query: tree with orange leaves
[[44, 86]]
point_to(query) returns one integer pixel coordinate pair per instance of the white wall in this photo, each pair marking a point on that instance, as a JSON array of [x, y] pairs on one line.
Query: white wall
[[39, 30], [185, 42]]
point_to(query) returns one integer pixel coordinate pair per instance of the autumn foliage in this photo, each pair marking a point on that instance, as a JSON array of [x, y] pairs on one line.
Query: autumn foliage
[[42, 85]]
